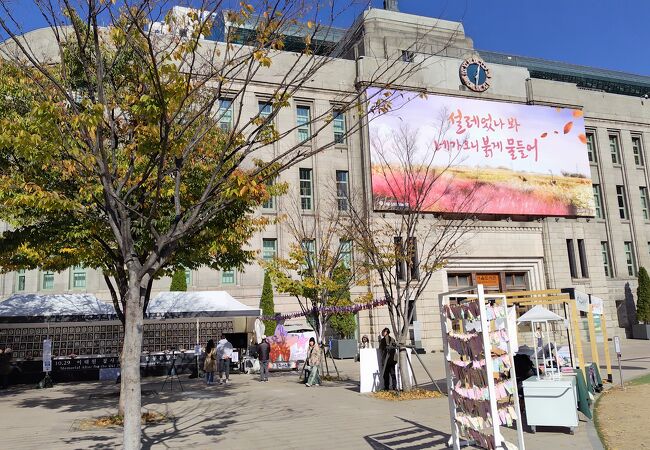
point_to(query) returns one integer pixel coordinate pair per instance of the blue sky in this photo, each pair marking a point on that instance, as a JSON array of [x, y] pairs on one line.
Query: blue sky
[[599, 33]]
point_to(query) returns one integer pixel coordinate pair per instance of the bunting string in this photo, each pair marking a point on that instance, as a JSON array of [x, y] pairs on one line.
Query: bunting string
[[328, 310]]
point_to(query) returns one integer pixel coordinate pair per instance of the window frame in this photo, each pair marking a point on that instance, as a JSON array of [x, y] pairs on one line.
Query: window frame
[[342, 198], [339, 116], [304, 185], [607, 259], [637, 150], [630, 259], [592, 154], [224, 281], [346, 256], [621, 201], [21, 277], [571, 253], [303, 127], [48, 274], [226, 113], [598, 201], [615, 153], [645, 202], [582, 257], [74, 271], [265, 250]]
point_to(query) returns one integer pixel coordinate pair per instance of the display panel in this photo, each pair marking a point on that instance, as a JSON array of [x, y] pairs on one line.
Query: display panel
[[462, 155]]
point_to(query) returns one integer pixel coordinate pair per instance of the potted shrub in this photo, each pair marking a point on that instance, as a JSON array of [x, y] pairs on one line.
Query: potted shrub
[[343, 324], [642, 330]]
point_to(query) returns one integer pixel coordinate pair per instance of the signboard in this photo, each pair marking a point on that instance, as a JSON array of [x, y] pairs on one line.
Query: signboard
[[582, 301], [477, 156], [617, 345], [86, 363], [47, 355], [488, 279]]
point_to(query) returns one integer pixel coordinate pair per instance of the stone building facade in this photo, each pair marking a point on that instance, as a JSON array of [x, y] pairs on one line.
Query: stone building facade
[[598, 255]]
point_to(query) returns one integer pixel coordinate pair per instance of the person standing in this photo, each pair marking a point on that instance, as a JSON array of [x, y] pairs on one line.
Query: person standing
[[387, 348], [5, 367], [264, 354], [314, 356], [210, 363], [224, 353]]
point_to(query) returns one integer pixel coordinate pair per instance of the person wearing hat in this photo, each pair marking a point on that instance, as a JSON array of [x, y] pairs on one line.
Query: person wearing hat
[[264, 353]]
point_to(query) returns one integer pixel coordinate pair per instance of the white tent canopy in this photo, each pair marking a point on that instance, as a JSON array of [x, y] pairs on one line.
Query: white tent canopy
[[198, 304], [53, 308], [539, 314]]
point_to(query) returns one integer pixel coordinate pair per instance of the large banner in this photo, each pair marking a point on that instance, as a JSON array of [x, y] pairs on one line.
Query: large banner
[[452, 154]]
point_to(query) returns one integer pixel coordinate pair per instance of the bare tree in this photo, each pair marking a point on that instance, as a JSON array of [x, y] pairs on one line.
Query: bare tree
[[404, 246], [151, 156], [318, 267]]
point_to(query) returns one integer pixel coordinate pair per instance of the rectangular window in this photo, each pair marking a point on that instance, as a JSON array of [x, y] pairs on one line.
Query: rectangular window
[[516, 281], [413, 260], [265, 111], [342, 191], [225, 115], [630, 261], [459, 279], [303, 118], [582, 254], [309, 247], [78, 277], [306, 193], [637, 150], [400, 262], [20, 280], [269, 249], [48, 280], [339, 127], [643, 193], [607, 265], [270, 203], [345, 253], [591, 147], [614, 149], [572, 258], [622, 202], [598, 202], [228, 277]]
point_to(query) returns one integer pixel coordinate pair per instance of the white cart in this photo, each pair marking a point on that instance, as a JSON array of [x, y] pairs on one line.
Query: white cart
[[551, 402]]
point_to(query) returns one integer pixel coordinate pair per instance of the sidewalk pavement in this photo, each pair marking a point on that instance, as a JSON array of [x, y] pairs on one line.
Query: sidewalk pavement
[[279, 414]]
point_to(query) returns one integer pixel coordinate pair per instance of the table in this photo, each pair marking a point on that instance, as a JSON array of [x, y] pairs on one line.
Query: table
[[551, 402]]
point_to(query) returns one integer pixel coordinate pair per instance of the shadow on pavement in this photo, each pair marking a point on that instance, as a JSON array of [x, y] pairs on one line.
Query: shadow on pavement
[[413, 437]]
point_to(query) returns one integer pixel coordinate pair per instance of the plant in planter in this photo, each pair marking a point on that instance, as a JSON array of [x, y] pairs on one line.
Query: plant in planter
[[267, 306], [642, 330], [343, 324]]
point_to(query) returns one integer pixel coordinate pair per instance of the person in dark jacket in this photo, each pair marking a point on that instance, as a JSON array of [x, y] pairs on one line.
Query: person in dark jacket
[[5, 367], [264, 354], [387, 347]]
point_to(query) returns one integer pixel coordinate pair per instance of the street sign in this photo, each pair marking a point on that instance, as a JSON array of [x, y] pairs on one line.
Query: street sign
[[47, 355], [617, 345]]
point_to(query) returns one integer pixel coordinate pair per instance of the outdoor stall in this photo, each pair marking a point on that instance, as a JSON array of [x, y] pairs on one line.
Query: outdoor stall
[[86, 336], [550, 396]]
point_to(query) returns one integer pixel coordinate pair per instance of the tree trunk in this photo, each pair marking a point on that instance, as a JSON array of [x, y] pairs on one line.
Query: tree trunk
[[404, 368], [130, 395]]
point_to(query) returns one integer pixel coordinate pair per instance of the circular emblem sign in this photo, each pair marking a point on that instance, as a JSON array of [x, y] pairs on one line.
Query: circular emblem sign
[[475, 74]]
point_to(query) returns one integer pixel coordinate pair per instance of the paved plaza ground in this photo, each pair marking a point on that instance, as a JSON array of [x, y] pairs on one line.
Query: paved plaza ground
[[281, 414]]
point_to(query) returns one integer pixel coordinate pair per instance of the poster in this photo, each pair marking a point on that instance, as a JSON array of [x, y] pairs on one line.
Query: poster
[[477, 156], [47, 355]]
